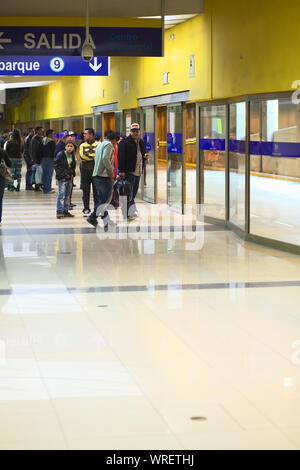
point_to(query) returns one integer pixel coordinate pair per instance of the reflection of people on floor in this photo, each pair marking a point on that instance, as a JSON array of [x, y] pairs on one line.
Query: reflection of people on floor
[[2, 262]]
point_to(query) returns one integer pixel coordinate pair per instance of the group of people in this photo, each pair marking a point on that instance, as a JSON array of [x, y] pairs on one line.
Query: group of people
[[101, 163]]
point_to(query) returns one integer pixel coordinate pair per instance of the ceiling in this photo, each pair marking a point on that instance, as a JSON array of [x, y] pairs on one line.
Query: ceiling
[[98, 8]]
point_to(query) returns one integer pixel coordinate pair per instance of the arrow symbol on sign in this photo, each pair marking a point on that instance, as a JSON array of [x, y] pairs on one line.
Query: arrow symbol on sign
[[95, 66], [7, 41]]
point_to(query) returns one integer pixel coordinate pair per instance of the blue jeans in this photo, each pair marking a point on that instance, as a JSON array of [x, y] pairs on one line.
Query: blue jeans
[[48, 169], [131, 207], [104, 187], [3, 183], [63, 198], [28, 172]]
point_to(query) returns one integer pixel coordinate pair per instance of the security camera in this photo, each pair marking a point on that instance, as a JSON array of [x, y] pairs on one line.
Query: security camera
[[87, 52]]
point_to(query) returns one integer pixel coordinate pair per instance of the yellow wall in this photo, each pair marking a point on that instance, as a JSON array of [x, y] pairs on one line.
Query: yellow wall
[[255, 46], [240, 47]]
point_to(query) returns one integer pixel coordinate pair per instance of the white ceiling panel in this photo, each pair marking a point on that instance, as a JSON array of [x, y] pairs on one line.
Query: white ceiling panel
[[98, 8]]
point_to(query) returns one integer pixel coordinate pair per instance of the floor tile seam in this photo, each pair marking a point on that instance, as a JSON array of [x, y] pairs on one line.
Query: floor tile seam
[[253, 336], [152, 288], [267, 418], [138, 385], [117, 436], [226, 381], [56, 230], [227, 412], [59, 423], [203, 361]]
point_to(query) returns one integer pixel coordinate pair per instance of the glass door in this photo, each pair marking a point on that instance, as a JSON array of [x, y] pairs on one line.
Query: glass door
[[213, 160], [148, 178], [275, 170], [237, 165], [174, 157]]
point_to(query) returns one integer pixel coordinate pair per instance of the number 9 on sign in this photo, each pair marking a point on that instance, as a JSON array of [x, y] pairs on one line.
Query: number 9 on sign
[[57, 64]]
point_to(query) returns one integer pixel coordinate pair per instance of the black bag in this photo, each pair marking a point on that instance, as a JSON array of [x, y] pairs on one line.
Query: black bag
[[4, 171], [115, 199], [123, 187]]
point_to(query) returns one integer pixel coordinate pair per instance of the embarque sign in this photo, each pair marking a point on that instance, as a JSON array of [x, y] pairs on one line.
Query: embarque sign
[[44, 66]]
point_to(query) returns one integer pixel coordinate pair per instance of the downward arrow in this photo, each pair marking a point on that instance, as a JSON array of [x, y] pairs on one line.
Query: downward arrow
[[7, 41], [95, 66]]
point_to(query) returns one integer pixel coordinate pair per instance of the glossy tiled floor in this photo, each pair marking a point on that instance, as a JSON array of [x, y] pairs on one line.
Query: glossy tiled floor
[[117, 343]]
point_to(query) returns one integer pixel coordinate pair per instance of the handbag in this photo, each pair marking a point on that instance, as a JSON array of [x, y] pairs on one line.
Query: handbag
[[39, 175], [115, 202], [4, 171]]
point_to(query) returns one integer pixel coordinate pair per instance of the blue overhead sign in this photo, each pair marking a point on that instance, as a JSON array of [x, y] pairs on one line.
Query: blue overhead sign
[[65, 66], [68, 41]]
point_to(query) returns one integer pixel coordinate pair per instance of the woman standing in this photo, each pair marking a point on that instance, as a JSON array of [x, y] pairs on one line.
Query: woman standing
[[3, 181], [14, 149]]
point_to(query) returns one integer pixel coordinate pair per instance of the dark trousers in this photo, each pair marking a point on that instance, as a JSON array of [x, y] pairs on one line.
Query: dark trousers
[[28, 173], [86, 182], [3, 183], [48, 169], [104, 188], [134, 183]]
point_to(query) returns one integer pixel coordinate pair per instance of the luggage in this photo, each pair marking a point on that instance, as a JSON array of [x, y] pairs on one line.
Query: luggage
[[39, 175]]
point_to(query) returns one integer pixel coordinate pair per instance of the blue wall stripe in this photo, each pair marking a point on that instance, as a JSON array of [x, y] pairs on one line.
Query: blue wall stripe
[[271, 149]]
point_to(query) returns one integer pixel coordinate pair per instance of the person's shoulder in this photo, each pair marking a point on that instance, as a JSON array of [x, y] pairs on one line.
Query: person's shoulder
[[60, 154]]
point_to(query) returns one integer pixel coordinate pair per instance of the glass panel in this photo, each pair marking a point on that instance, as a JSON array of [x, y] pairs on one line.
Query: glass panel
[[275, 170], [237, 160], [149, 171], [213, 160], [191, 166], [88, 121], [174, 158], [98, 124], [77, 126], [118, 122]]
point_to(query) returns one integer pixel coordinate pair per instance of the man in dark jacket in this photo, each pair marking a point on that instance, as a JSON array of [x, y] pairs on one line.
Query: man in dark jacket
[[48, 161], [27, 157], [65, 164], [131, 158], [3, 181], [36, 149]]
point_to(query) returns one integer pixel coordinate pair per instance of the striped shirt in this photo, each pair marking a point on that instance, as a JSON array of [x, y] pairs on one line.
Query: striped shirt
[[87, 151]]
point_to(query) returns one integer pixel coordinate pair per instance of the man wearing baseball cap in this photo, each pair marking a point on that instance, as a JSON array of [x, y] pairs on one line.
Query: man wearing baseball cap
[[131, 158], [63, 137]]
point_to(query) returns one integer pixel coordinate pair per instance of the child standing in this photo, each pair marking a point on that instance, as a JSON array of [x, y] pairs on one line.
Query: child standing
[[65, 164]]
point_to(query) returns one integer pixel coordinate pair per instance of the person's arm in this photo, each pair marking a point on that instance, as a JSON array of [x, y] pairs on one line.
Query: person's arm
[[6, 159], [121, 158], [107, 159], [53, 148], [81, 152]]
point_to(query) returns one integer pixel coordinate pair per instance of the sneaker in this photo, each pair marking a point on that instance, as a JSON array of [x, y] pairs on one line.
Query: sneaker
[[86, 212], [68, 214], [92, 221], [131, 218], [59, 215], [72, 206]]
